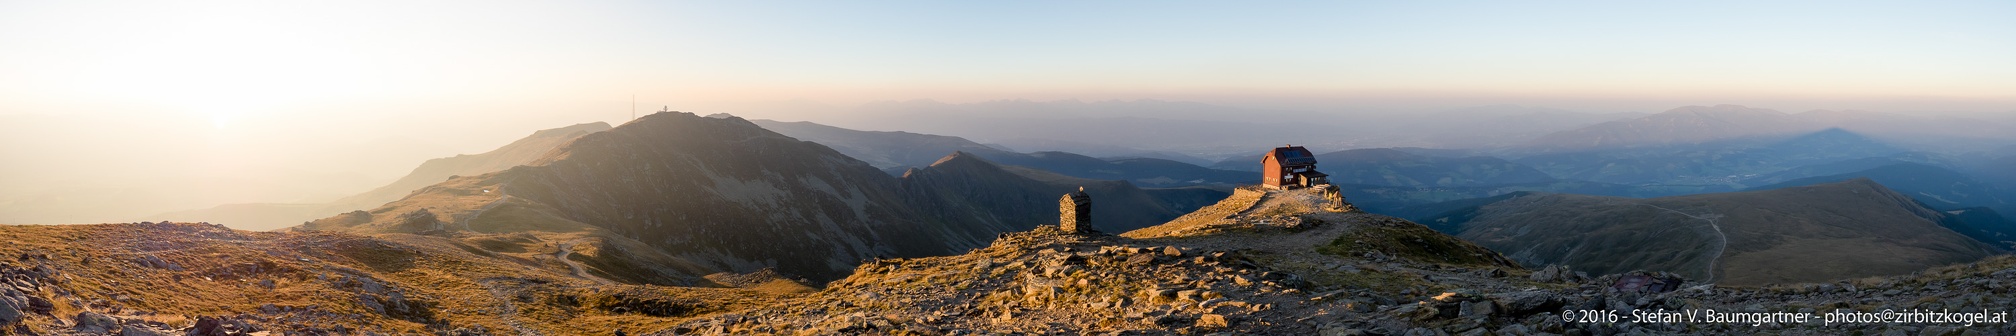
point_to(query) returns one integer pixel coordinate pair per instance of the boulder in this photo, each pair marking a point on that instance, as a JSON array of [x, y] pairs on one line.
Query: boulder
[[1528, 302], [1477, 310], [1213, 321], [239, 326], [208, 326], [39, 305], [1158, 294], [95, 323], [154, 261], [9, 313], [1551, 273]]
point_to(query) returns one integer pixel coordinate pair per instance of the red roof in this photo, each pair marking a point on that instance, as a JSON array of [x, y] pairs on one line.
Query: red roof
[[1290, 156]]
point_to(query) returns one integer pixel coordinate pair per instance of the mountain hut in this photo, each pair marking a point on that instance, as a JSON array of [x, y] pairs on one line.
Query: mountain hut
[[1290, 167]]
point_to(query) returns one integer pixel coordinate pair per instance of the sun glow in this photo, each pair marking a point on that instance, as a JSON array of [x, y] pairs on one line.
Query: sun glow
[[220, 120], [225, 62]]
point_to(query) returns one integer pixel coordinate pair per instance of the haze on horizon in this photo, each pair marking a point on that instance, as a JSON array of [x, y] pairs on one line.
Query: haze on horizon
[[119, 96]]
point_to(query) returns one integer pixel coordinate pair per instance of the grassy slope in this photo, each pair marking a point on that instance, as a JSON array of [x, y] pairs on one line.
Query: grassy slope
[[1819, 233], [497, 282]]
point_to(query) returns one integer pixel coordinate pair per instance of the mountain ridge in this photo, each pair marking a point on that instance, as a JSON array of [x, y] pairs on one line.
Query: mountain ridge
[[268, 216], [1698, 124], [704, 190], [724, 171], [1772, 236], [898, 151]]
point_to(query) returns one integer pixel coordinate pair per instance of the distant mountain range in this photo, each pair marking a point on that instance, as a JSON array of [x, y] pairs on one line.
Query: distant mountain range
[[1938, 187], [1691, 124], [1391, 167], [1481, 127], [1812, 233], [1412, 202], [1843, 167], [1702, 124], [1102, 151], [1132, 128], [728, 195], [899, 151], [881, 149], [1009, 198], [1143, 125], [268, 216], [1400, 167], [1717, 165], [1994, 166], [1415, 182]]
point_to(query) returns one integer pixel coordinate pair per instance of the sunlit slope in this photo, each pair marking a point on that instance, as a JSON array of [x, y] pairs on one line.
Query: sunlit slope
[[434, 171], [164, 277], [718, 191], [266, 216], [727, 195]]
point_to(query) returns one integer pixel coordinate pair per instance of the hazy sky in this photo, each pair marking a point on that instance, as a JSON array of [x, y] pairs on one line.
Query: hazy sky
[[229, 60], [178, 97], [480, 73]]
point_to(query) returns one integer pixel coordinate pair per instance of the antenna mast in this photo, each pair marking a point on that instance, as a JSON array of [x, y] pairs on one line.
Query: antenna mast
[[633, 107]]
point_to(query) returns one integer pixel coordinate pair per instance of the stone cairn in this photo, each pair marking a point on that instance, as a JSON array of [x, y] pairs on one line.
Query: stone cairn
[[1334, 199], [1075, 212]]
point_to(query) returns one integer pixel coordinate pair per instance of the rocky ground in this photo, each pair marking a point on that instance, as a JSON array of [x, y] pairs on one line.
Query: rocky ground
[[203, 279], [1260, 263], [1271, 269]]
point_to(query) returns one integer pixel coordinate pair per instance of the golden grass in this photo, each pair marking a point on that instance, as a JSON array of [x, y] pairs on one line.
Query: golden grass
[[449, 276], [1241, 200]]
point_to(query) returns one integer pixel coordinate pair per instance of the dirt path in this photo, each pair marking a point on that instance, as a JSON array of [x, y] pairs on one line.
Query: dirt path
[[486, 207], [566, 249], [1719, 248]]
